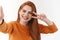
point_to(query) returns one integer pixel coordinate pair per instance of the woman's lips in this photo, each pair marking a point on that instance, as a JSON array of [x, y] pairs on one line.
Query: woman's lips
[[24, 17]]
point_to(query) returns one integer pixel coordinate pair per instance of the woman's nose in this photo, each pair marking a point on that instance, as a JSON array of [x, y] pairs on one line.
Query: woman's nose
[[26, 14]]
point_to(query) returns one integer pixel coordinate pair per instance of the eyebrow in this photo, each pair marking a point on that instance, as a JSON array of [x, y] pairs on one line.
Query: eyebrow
[[29, 11]]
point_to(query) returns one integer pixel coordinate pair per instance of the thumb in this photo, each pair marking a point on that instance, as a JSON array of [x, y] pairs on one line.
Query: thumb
[[34, 17]]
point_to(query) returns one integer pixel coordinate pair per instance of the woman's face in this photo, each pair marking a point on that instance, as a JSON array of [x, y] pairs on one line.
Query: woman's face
[[25, 13]]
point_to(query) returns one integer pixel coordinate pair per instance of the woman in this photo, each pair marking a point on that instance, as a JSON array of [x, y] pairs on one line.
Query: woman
[[26, 27]]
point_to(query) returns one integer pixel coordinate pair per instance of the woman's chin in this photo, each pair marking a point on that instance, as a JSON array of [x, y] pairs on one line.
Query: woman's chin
[[26, 20]]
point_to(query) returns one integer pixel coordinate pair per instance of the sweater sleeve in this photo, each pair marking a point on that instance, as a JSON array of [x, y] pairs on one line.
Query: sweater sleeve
[[47, 29], [6, 27]]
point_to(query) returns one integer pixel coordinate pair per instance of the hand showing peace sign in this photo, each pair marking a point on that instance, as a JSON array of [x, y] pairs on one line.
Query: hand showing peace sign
[[42, 17]]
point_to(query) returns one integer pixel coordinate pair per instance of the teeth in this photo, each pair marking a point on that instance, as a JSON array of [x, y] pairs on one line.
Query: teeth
[[25, 17]]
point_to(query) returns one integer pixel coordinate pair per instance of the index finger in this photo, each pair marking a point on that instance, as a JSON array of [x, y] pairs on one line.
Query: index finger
[[35, 13]]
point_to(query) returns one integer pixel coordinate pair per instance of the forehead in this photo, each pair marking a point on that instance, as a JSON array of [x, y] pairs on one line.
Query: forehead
[[27, 7]]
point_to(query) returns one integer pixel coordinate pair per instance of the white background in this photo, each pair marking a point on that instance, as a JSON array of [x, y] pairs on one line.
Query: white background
[[50, 7]]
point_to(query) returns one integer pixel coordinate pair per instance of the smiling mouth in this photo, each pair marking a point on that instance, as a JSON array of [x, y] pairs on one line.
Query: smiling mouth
[[25, 18]]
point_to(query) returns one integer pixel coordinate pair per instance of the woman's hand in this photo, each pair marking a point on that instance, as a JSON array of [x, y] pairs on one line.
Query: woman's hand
[[42, 17], [1, 13]]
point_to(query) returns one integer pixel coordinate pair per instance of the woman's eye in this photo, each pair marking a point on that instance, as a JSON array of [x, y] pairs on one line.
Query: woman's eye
[[30, 12], [24, 11]]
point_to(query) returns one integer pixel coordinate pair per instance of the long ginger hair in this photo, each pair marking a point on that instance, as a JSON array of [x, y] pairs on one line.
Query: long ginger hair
[[33, 23]]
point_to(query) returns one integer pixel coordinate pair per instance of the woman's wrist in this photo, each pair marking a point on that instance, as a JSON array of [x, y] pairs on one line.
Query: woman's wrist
[[48, 22]]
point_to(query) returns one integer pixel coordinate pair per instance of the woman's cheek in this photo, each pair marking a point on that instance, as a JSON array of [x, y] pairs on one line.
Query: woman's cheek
[[30, 16]]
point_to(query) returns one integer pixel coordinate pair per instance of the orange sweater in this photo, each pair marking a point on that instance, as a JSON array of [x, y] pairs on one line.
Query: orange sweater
[[17, 31]]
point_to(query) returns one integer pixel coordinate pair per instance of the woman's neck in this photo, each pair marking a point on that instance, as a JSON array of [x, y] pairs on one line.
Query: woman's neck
[[23, 23]]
